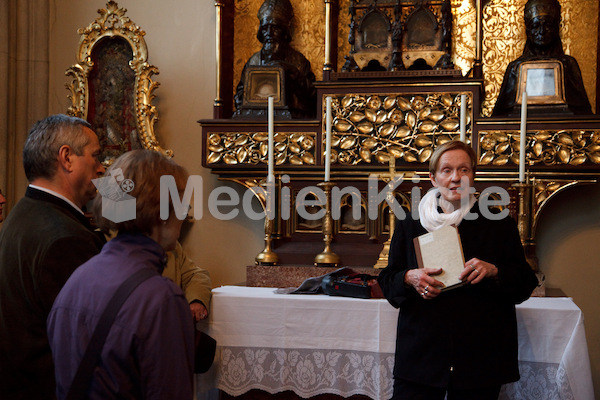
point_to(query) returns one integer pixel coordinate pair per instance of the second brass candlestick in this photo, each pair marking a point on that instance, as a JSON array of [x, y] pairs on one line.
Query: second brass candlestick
[[525, 221], [268, 256], [327, 257]]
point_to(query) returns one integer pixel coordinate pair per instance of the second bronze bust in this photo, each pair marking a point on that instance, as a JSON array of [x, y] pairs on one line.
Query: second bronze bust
[[292, 78]]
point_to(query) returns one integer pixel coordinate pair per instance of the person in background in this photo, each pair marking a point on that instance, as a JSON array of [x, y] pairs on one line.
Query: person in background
[[2, 203], [193, 280], [149, 350], [43, 240], [461, 342]]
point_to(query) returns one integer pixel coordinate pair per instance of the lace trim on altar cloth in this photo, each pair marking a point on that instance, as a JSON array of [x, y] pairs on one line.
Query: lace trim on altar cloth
[[309, 372], [538, 381]]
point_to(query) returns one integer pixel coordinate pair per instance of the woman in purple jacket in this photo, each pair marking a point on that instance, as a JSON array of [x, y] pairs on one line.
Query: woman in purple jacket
[[148, 353]]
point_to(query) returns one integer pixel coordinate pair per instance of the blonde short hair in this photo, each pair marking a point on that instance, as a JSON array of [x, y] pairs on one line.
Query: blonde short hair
[[144, 168], [434, 161]]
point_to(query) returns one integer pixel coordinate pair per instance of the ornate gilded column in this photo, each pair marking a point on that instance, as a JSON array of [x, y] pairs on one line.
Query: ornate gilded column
[[330, 59], [327, 65], [525, 220], [218, 103], [477, 62], [222, 106]]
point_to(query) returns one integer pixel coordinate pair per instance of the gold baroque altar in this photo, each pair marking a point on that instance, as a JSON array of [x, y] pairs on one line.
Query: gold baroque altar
[[378, 117], [503, 37]]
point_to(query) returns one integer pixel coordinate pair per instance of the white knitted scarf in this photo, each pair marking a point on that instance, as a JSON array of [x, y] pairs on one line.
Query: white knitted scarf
[[432, 219]]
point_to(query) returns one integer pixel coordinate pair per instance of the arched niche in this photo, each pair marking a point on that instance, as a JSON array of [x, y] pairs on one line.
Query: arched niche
[[112, 86]]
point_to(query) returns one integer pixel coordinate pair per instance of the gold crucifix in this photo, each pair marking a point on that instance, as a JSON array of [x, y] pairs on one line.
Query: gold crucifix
[[390, 177]]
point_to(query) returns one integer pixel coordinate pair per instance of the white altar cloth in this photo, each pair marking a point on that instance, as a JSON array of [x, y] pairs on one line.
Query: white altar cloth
[[315, 344]]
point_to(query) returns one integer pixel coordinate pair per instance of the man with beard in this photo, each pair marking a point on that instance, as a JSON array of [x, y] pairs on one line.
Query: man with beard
[[542, 25], [274, 33]]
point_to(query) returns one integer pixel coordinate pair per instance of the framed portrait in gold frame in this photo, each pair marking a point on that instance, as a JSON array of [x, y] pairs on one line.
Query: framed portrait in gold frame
[[264, 81], [544, 82], [112, 86]]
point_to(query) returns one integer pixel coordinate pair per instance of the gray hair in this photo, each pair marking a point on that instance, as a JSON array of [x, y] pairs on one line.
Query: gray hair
[[45, 139]]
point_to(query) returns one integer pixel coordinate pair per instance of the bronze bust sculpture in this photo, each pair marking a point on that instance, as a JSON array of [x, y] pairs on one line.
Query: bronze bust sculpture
[[542, 19], [298, 91]]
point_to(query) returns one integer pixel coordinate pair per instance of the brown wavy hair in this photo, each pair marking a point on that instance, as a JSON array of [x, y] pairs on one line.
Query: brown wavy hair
[[144, 168]]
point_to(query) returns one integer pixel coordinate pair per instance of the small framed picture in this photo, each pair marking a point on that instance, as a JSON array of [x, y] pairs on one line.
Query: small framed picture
[[262, 82], [544, 82]]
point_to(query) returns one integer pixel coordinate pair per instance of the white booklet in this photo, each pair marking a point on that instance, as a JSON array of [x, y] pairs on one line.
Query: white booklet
[[442, 249]]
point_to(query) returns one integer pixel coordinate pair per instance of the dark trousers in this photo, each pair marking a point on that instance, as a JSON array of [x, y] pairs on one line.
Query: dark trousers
[[405, 390]]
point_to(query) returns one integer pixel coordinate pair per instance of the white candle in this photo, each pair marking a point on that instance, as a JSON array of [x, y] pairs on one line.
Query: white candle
[[327, 139], [523, 137], [463, 118], [271, 172]]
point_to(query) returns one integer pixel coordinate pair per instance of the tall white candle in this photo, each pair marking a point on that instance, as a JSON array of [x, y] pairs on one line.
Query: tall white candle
[[463, 118], [271, 172], [327, 138], [523, 137]]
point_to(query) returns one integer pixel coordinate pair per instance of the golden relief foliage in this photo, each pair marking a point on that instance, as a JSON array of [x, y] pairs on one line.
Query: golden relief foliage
[[372, 129], [252, 148], [559, 147], [503, 37]]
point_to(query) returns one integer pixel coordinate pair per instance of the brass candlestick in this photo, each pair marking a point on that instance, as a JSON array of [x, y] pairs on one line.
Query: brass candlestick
[[384, 256], [525, 221], [327, 257], [268, 256]]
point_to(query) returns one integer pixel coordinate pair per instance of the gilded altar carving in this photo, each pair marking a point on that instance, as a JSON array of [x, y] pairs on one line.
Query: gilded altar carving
[[118, 41], [551, 147], [503, 37], [250, 148], [369, 129]]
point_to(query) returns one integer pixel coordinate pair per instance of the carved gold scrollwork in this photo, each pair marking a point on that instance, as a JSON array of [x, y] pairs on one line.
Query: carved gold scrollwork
[[252, 148], [112, 23], [254, 185], [570, 147], [544, 189], [372, 129]]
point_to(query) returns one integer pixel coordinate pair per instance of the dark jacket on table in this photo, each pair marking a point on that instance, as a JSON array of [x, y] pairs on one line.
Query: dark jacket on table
[[466, 336], [148, 353], [43, 240]]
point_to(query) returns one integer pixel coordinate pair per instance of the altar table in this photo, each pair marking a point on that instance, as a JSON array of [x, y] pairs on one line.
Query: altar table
[[316, 344]]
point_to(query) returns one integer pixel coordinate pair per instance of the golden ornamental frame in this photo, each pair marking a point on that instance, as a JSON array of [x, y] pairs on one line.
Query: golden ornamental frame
[[112, 23]]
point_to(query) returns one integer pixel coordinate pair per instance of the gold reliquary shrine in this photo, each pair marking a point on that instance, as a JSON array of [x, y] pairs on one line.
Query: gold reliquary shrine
[[396, 95]]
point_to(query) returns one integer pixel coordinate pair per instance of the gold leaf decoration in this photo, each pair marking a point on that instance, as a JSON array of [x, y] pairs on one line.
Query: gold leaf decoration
[[563, 147], [356, 116], [389, 102], [369, 143], [503, 38], [365, 154], [403, 103], [407, 127], [425, 154], [230, 159], [232, 148]]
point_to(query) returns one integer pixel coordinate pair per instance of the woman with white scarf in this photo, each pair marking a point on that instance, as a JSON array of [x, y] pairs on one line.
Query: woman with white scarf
[[462, 342]]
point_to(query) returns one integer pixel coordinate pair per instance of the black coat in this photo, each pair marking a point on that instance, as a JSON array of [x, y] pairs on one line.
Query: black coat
[[467, 336], [42, 241]]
